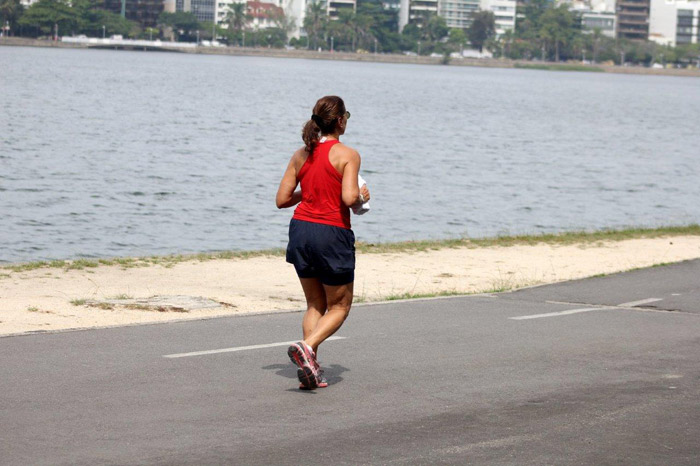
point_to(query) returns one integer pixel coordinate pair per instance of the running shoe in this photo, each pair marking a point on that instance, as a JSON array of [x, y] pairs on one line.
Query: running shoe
[[307, 378], [322, 381], [303, 356]]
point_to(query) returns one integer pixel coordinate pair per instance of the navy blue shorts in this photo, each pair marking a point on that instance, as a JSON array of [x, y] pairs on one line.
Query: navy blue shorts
[[322, 251]]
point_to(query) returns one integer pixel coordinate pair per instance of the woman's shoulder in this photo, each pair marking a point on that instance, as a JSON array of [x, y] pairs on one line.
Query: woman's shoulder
[[300, 155], [345, 151]]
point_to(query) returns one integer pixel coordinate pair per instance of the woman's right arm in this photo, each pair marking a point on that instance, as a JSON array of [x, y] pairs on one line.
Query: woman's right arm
[[352, 193]]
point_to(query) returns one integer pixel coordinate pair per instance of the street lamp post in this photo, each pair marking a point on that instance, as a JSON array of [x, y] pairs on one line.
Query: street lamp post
[[103, 31], [331, 44], [197, 37], [375, 45]]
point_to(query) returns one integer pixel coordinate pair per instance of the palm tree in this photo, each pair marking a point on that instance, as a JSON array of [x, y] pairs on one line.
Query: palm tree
[[237, 17], [363, 29], [346, 24], [316, 20]]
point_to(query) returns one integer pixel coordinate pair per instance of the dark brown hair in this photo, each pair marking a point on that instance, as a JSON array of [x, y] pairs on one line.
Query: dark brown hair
[[324, 120]]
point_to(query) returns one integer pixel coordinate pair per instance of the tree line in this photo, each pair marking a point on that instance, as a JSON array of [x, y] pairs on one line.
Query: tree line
[[545, 31]]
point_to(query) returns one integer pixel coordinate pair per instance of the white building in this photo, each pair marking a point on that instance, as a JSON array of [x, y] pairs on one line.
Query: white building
[[504, 12], [295, 10], [458, 13], [603, 20], [674, 22], [414, 11], [262, 15], [334, 6]]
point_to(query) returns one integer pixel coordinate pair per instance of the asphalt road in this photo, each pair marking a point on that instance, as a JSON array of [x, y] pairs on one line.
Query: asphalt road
[[560, 374]]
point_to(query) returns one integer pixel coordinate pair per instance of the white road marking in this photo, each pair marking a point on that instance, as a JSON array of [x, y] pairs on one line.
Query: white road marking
[[560, 313], [239, 348], [639, 303]]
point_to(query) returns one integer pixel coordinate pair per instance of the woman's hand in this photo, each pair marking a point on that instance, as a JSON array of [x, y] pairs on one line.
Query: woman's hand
[[364, 193]]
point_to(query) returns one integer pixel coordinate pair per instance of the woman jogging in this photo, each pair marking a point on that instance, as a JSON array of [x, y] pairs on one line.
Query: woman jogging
[[321, 243]]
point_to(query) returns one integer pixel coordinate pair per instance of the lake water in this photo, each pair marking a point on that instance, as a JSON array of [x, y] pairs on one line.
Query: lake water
[[106, 153]]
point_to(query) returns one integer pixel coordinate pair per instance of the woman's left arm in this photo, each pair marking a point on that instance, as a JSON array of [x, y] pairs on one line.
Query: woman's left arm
[[286, 196]]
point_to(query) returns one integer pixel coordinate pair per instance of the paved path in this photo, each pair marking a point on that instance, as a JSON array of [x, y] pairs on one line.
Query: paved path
[[599, 371]]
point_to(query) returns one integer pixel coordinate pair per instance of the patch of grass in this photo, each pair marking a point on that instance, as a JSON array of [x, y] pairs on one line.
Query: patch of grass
[[105, 306], [32, 309], [407, 295], [78, 302], [557, 67], [4, 275], [26, 267], [567, 238], [80, 264], [122, 296]]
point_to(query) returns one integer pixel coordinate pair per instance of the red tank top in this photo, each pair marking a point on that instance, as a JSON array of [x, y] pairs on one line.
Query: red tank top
[[321, 190]]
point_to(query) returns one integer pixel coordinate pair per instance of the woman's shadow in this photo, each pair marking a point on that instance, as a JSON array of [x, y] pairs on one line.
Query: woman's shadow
[[289, 371]]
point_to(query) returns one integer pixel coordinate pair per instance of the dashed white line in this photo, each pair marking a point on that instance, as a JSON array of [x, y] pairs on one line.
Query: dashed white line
[[238, 348], [560, 313], [587, 309], [640, 302]]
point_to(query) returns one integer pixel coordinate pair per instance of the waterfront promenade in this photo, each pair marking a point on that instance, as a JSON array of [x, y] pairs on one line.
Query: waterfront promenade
[[598, 371], [361, 57]]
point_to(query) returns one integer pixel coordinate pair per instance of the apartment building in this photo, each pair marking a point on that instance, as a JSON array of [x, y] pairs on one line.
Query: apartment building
[[144, 12], [605, 21], [633, 19], [415, 11], [458, 13], [675, 22], [504, 12], [203, 10], [334, 6]]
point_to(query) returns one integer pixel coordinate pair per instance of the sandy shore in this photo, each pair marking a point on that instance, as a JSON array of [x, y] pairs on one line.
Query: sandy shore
[[51, 299]]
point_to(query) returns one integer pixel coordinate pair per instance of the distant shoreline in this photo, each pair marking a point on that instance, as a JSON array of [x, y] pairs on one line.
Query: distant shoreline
[[384, 58]]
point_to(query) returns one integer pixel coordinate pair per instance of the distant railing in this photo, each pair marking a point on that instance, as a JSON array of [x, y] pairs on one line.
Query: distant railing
[[94, 41]]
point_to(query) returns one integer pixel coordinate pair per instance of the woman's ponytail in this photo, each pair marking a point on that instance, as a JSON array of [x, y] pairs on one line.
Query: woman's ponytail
[[311, 135]]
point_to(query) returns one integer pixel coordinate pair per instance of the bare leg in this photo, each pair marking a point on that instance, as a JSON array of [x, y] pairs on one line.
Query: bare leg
[[338, 300], [315, 304]]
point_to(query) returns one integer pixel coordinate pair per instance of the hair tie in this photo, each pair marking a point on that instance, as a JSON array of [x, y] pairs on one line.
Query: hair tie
[[317, 119]]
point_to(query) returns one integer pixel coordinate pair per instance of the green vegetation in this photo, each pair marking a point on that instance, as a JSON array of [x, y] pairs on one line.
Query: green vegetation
[[550, 32], [567, 238], [78, 302], [396, 297], [580, 237], [483, 28], [545, 31]]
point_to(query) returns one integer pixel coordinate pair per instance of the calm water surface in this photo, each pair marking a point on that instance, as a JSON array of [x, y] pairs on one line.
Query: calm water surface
[[107, 153]]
